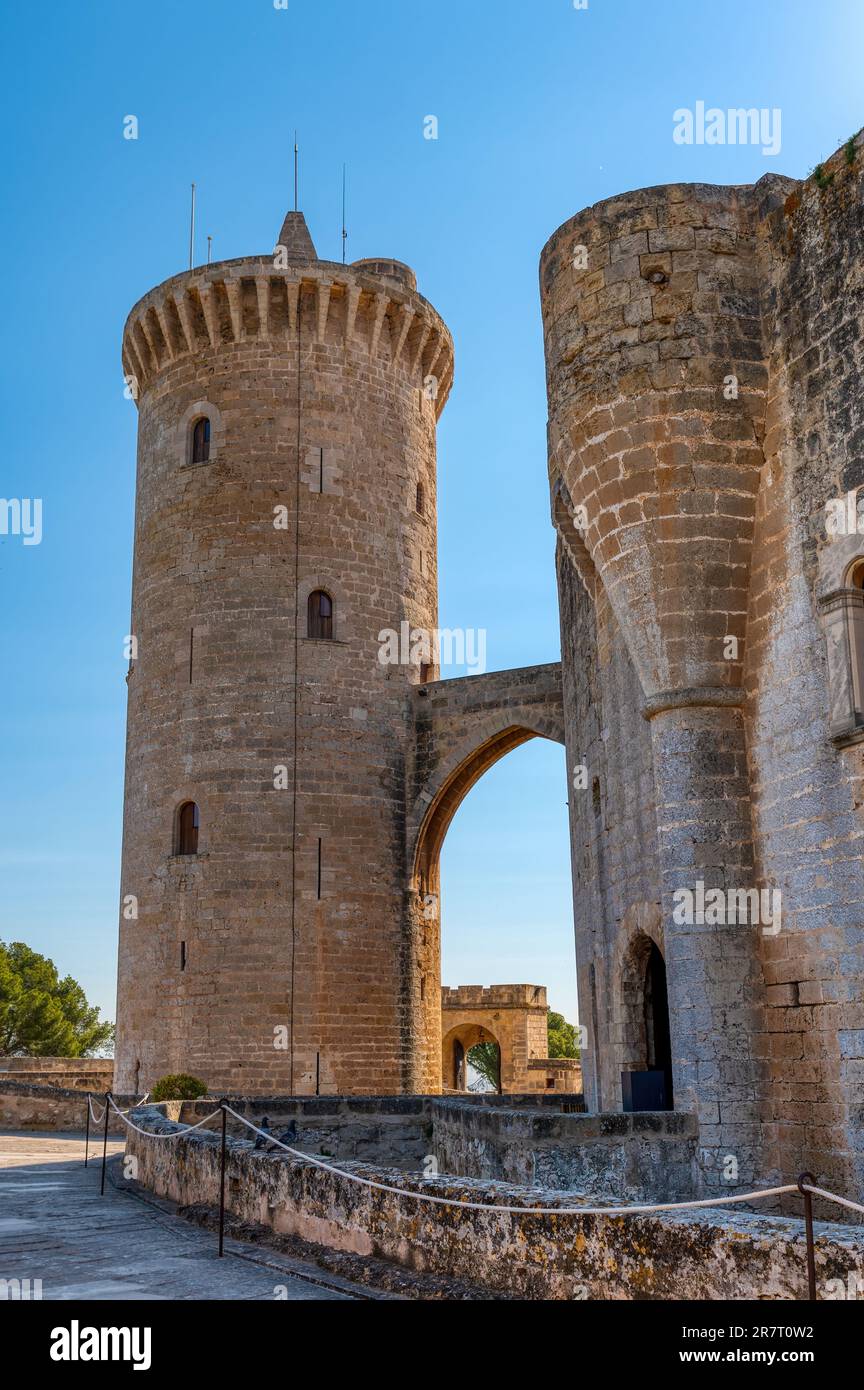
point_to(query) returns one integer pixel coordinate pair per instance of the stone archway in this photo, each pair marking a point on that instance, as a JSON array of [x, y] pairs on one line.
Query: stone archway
[[456, 1046], [455, 787], [644, 1012], [463, 727]]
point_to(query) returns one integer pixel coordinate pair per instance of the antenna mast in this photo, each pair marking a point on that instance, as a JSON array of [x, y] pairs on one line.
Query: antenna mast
[[344, 228], [192, 231]]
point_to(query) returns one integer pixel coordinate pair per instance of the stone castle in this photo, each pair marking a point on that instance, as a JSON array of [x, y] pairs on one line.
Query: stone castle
[[288, 793]]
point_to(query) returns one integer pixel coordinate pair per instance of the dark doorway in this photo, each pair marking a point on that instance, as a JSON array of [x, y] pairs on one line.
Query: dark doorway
[[459, 1075], [658, 1040]]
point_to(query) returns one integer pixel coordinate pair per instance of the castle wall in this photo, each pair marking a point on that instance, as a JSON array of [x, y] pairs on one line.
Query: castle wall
[[807, 788], [646, 300], [612, 831], [513, 1016], [704, 372], [709, 1254]]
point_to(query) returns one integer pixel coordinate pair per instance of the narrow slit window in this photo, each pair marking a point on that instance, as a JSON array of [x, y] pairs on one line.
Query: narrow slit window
[[201, 441], [420, 503], [320, 616], [188, 825]]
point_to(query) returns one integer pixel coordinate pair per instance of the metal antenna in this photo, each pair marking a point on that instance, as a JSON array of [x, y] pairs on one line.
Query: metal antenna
[[296, 174], [344, 228], [192, 231]]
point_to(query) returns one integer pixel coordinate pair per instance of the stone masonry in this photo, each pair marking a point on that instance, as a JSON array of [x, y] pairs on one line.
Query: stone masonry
[[515, 1018], [704, 356], [298, 948]]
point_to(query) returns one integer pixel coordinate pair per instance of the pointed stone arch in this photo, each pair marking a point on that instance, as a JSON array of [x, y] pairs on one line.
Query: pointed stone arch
[[465, 727]]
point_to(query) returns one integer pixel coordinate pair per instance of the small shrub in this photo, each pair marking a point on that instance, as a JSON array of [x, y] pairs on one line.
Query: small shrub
[[822, 179], [180, 1087], [850, 150]]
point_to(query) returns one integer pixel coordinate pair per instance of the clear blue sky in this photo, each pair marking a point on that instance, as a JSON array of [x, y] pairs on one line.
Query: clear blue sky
[[543, 109]]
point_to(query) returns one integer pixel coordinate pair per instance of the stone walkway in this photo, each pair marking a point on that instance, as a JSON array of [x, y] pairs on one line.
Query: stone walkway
[[54, 1226]]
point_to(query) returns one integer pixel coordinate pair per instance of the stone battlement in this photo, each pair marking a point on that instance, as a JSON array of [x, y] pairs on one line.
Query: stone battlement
[[494, 997], [372, 307]]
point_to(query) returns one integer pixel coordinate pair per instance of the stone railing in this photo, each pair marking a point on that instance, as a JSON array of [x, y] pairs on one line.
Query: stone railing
[[556, 1254]]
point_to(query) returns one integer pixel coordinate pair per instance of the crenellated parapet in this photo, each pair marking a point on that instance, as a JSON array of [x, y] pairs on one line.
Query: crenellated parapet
[[371, 309]]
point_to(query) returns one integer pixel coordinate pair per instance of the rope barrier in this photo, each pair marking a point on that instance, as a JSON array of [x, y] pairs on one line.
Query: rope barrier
[[522, 1211], [178, 1134], [633, 1210], [832, 1197], [97, 1119]]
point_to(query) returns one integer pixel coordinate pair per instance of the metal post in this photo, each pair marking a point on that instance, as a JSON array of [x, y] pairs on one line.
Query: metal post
[[317, 1073], [87, 1130], [105, 1144], [344, 227], [222, 1183], [192, 231], [808, 1180]]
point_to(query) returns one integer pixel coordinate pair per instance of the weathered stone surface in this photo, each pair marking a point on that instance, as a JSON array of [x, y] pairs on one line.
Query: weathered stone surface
[[695, 1255], [689, 496], [647, 1158], [70, 1073], [23, 1106]]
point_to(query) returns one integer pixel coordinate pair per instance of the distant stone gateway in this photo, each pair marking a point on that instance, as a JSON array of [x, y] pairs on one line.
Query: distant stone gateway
[[288, 792]]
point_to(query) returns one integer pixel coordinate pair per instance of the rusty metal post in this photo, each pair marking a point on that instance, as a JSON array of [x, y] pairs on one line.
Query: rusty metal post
[[222, 1183], [87, 1129], [105, 1144], [807, 1180]]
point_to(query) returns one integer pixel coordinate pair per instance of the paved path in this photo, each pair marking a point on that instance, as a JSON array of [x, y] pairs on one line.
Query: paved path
[[54, 1226]]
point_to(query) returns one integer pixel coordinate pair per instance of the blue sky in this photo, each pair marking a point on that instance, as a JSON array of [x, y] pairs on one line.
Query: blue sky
[[542, 109]]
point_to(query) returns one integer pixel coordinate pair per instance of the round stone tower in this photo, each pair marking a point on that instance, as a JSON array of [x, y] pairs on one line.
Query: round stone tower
[[285, 521], [656, 383]]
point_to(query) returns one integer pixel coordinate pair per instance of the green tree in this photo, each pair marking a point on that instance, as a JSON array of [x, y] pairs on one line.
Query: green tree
[[485, 1060], [42, 1015], [563, 1037]]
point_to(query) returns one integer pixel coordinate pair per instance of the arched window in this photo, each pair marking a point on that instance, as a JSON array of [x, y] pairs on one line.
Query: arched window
[[201, 440], [841, 612], [421, 500], [188, 822], [320, 615]]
